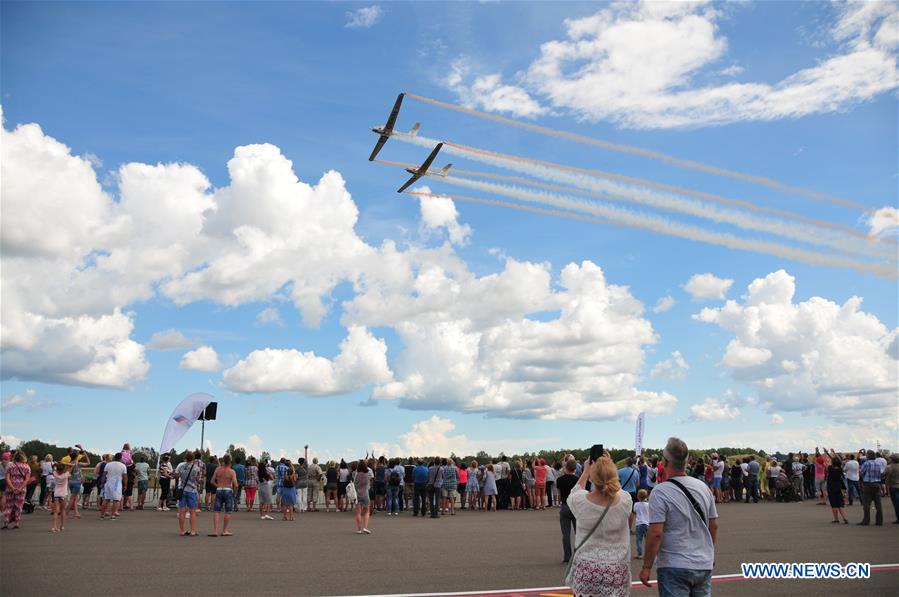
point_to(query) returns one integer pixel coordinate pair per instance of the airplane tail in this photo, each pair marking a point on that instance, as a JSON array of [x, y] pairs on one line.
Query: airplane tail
[[414, 130], [444, 170]]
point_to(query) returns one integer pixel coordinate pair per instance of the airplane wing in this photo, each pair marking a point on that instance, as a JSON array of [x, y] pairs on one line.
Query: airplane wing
[[408, 183], [381, 141], [421, 169], [427, 163], [394, 113]]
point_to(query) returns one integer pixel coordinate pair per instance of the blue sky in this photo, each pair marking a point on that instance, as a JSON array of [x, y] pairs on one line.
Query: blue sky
[[135, 83]]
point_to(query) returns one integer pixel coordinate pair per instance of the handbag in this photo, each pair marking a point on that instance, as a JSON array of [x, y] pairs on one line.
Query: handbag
[[179, 491], [587, 538], [351, 490]]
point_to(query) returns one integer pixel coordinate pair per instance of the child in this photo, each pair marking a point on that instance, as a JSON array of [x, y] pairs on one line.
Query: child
[[60, 493], [642, 510]]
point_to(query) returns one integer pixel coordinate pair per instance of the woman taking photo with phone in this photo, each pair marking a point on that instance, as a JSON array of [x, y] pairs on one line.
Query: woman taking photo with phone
[[601, 561]]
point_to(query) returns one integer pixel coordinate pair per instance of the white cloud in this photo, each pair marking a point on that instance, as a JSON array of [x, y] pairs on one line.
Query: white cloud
[[440, 212], [664, 304], [674, 368], [363, 18], [640, 65], [270, 315], [815, 355], [169, 340], [883, 221], [26, 401], [713, 409], [707, 287], [11, 440], [203, 358], [253, 446], [470, 347], [513, 342], [776, 419], [435, 437], [362, 361], [488, 92]]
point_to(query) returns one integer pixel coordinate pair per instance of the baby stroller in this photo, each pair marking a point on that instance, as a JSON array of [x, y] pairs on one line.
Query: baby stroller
[[785, 491]]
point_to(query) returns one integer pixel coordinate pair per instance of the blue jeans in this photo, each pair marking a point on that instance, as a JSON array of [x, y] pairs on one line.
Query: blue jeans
[[853, 490], [642, 529], [393, 501], [683, 582]]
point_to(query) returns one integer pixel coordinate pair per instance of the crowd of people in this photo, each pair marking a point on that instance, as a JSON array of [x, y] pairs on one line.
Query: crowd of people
[[602, 503]]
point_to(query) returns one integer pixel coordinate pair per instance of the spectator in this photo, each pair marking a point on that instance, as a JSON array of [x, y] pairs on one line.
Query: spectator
[[142, 475], [266, 482], [870, 477], [627, 477], [752, 479], [394, 487], [362, 483], [835, 489], [313, 485], [600, 564], [820, 475], [851, 470], [17, 476], [225, 483], [164, 476], [240, 470], [567, 521], [190, 477], [211, 465], [717, 474], [641, 509], [115, 476], [251, 483], [798, 469], [420, 495], [891, 478], [331, 487], [682, 529]]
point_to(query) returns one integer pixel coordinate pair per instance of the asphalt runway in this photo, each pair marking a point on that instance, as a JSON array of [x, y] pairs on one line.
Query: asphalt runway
[[320, 554]]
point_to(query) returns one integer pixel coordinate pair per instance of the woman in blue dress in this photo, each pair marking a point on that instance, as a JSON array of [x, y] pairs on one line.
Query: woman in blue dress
[[489, 488], [472, 488]]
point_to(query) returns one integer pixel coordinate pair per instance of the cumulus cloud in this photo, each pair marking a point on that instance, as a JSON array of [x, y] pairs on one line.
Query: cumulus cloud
[[488, 91], [363, 18], [707, 287], [776, 419], [664, 304], [435, 437], [11, 440], [169, 340], [815, 355], [440, 213], [202, 359], [270, 315], [362, 361], [480, 353], [515, 342], [713, 409], [883, 221], [674, 368], [659, 65]]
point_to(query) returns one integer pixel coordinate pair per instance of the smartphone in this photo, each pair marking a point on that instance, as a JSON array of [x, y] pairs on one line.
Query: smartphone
[[596, 452]]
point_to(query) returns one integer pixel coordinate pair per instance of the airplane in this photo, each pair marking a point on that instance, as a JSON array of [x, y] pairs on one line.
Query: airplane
[[385, 131], [422, 170]]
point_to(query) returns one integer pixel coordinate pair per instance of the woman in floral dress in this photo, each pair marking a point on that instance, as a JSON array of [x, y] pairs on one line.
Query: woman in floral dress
[[601, 564], [17, 475]]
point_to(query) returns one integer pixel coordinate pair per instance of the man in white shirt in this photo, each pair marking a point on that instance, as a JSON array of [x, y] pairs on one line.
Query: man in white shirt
[[882, 463], [116, 475], [717, 473], [850, 469]]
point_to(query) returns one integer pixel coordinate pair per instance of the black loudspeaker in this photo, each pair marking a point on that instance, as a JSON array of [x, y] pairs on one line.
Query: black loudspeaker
[[209, 413]]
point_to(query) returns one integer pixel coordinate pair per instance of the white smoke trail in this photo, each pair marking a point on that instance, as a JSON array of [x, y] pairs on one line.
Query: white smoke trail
[[663, 225], [648, 153], [671, 202]]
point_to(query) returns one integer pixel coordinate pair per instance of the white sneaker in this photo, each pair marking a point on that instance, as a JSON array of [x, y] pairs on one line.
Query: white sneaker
[[166, 509], [358, 532], [366, 531], [267, 517], [158, 509]]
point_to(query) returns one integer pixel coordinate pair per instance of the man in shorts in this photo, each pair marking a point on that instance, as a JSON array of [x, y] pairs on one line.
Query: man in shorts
[[225, 482], [450, 486], [116, 475], [190, 478], [313, 484]]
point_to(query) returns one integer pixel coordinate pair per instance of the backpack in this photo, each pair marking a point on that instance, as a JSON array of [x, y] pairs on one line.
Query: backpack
[[394, 478]]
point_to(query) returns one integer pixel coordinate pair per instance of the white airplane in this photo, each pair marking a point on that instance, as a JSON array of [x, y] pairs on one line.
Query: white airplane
[[384, 132]]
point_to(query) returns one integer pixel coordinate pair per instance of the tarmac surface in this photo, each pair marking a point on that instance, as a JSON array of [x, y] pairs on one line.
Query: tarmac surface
[[515, 553]]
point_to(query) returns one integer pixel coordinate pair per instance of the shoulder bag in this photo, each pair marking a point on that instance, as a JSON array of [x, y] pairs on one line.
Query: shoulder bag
[[351, 490], [692, 500], [587, 538]]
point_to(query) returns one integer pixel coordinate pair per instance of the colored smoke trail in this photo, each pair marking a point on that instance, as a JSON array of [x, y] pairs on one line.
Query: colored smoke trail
[[648, 153], [624, 217], [611, 190]]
